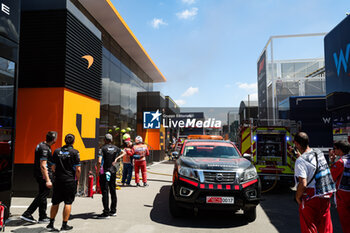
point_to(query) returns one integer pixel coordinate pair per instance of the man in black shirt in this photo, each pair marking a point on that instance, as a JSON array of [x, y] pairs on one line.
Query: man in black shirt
[[108, 156], [43, 175], [67, 169]]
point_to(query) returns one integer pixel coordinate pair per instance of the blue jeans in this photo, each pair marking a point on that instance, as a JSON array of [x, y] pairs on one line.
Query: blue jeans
[[127, 173]]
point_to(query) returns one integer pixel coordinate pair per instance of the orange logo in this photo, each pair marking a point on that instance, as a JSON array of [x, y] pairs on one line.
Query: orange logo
[[89, 59]]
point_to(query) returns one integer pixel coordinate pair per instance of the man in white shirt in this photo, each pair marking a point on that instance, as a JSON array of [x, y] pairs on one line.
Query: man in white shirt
[[313, 198]]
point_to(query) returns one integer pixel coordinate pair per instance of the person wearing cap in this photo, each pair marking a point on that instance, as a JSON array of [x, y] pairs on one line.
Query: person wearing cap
[[43, 176], [340, 170], [108, 156], [140, 153], [127, 161], [67, 169]]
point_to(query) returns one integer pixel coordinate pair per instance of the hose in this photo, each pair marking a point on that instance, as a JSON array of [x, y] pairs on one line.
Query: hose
[[273, 185]]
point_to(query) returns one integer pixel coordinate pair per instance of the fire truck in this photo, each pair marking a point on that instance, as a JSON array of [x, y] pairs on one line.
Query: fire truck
[[268, 147]]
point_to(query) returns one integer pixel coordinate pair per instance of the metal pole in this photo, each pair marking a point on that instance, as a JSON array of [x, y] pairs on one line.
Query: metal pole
[[249, 107], [273, 84], [228, 123]]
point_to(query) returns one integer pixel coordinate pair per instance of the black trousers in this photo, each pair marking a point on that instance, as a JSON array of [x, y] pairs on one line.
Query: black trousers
[[105, 186], [40, 200]]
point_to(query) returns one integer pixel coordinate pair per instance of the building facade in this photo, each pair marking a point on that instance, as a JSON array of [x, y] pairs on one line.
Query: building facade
[[81, 69], [280, 79], [337, 48]]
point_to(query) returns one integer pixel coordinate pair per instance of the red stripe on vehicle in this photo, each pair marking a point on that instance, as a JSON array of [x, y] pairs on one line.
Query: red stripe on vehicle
[[189, 181], [211, 186], [228, 186], [202, 186], [249, 183], [236, 187], [219, 186]]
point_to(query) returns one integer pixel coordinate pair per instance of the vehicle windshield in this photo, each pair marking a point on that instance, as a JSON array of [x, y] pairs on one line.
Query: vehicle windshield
[[211, 151]]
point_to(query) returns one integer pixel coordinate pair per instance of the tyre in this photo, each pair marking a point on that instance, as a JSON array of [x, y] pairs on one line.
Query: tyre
[[174, 209], [250, 214]]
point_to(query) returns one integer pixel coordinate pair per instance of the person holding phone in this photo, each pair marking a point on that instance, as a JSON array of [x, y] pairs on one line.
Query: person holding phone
[[108, 154]]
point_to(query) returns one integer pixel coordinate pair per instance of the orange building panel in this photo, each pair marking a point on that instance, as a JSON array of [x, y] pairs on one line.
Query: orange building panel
[[39, 110]]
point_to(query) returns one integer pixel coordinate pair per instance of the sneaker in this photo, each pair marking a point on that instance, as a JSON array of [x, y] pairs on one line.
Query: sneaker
[[103, 216], [113, 214], [66, 228], [145, 184], [138, 185], [51, 228], [44, 220], [28, 218]]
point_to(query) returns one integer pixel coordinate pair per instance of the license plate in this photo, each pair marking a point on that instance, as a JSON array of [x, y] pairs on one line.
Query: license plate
[[271, 177], [220, 200]]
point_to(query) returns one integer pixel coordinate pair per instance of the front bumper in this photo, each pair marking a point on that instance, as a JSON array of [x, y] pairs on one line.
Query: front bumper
[[245, 195]]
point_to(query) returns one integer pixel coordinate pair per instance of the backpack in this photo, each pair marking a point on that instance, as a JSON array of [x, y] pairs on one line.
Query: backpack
[[323, 178]]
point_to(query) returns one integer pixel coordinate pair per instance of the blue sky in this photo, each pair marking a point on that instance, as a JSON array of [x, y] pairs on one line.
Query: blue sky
[[208, 49]]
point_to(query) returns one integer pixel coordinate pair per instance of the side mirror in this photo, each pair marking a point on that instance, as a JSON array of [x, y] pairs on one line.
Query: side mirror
[[175, 154], [248, 156]]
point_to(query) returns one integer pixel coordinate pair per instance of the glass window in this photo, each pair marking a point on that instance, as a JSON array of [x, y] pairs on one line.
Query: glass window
[[105, 81], [114, 86], [211, 151], [125, 94], [119, 93], [7, 81]]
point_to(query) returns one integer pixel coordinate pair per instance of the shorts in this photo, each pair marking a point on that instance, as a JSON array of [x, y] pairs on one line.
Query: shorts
[[64, 191]]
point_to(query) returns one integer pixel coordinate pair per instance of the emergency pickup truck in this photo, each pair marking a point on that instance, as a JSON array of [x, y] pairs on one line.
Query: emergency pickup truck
[[212, 174]]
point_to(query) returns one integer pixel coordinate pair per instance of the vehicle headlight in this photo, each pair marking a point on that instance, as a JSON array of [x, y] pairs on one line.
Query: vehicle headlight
[[187, 172], [250, 174]]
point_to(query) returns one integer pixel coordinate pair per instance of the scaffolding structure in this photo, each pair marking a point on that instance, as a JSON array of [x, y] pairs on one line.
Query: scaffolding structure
[[287, 77]]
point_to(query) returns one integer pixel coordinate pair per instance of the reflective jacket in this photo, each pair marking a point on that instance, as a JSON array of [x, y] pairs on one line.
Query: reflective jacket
[[142, 150]]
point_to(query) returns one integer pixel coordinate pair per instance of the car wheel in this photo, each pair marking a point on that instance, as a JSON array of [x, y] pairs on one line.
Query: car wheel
[[174, 209], [250, 214]]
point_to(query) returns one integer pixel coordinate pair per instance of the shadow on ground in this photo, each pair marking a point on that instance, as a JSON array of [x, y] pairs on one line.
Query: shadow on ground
[[160, 214], [85, 216], [30, 230], [24, 226], [283, 212], [17, 222]]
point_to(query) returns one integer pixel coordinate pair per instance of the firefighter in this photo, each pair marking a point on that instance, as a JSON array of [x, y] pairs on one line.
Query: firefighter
[[141, 150], [341, 174], [127, 162]]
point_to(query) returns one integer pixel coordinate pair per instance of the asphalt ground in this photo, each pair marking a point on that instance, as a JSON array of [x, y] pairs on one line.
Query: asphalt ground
[[145, 209]]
